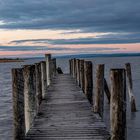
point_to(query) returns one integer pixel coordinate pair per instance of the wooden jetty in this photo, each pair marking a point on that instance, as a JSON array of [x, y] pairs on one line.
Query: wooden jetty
[[52, 106], [65, 113]]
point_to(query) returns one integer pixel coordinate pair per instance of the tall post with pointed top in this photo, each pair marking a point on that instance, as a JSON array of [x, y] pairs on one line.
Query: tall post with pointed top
[[48, 59], [118, 104]]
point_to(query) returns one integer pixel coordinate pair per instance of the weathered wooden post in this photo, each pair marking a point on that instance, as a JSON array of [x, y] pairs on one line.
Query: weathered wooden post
[[107, 91], [81, 68], [130, 87], [118, 104], [70, 66], [48, 59], [99, 91], [82, 79], [18, 104], [74, 68], [77, 71], [53, 67], [43, 78], [38, 85], [29, 95], [88, 87]]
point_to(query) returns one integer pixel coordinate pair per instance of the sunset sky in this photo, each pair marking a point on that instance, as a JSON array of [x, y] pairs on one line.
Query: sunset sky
[[34, 27]]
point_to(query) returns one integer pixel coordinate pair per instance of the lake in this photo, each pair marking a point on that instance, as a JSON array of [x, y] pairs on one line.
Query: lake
[[6, 115]]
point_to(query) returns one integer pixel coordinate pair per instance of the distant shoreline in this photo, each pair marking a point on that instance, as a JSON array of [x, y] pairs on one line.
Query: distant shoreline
[[6, 60], [99, 55]]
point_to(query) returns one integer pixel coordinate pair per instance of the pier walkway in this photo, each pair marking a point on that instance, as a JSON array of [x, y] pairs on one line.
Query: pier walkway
[[66, 114]]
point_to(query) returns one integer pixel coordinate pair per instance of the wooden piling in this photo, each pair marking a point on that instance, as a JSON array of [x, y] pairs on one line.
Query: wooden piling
[[74, 68], [106, 89], [130, 87], [99, 91], [81, 68], [29, 95], [53, 67], [38, 85], [118, 104], [48, 59], [88, 87], [77, 71], [70, 66], [43, 78], [18, 104]]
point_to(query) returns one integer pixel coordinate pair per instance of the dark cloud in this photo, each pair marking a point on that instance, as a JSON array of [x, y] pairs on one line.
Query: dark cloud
[[98, 15], [87, 15], [44, 48], [30, 48]]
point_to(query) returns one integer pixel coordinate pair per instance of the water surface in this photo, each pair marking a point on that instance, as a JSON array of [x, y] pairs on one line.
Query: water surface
[[6, 115]]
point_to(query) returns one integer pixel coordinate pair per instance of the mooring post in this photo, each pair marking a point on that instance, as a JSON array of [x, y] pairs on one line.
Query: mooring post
[[70, 66], [118, 104], [18, 104], [106, 89], [38, 85], [130, 87], [74, 68], [88, 87], [82, 80], [54, 66], [29, 95], [48, 59], [43, 78], [77, 71], [51, 69], [99, 90]]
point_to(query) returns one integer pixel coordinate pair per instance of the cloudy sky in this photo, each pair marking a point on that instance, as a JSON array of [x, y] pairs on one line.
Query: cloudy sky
[[35, 27]]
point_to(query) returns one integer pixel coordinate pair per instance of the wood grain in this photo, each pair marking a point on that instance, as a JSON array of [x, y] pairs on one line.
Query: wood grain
[[66, 114]]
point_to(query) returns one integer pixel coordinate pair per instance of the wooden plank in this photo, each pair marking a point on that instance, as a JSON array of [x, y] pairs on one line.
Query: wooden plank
[[66, 114]]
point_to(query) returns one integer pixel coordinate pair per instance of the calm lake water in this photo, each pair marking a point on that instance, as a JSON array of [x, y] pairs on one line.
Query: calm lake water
[[6, 116]]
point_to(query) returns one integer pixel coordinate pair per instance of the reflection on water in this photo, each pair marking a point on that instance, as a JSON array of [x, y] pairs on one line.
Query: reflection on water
[[133, 121]]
